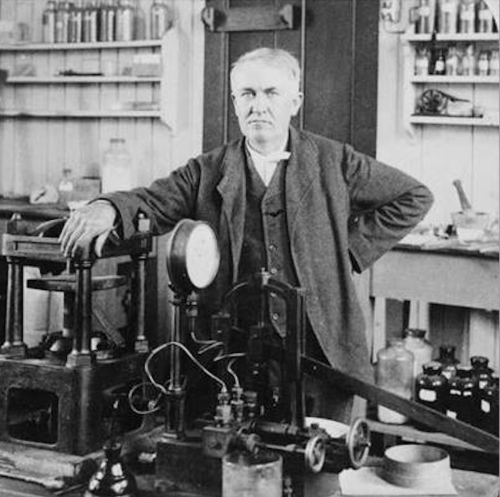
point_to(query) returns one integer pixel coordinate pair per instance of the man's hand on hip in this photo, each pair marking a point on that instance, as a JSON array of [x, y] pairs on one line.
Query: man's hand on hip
[[92, 221]]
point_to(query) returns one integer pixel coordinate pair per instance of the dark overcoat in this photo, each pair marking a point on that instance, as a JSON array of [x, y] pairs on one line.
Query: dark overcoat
[[344, 210]]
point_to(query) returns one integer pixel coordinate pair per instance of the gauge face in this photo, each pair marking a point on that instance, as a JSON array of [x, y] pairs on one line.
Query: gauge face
[[202, 256], [192, 256]]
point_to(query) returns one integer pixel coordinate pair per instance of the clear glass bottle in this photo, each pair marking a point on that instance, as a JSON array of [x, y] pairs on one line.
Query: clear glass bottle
[[65, 187], [423, 24], [448, 16], [461, 403], [469, 61], [484, 18], [76, 23], [125, 21], [448, 361], [62, 22], [160, 19], [422, 61], [483, 64], [90, 20], [451, 61], [431, 387], [494, 63], [415, 341], [116, 170], [49, 22], [394, 373], [467, 17]]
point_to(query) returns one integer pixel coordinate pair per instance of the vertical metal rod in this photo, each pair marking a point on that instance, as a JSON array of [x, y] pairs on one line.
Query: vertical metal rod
[[140, 304], [86, 287], [17, 304]]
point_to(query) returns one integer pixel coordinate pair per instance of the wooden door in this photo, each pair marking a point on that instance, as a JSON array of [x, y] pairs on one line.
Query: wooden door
[[336, 42]]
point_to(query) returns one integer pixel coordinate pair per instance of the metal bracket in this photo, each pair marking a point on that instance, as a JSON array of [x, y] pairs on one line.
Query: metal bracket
[[250, 18]]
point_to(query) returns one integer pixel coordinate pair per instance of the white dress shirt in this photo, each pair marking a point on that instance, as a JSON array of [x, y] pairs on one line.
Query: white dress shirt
[[266, 164]]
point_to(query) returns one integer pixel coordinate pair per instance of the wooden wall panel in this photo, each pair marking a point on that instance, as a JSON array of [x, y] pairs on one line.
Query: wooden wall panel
[[34, 151]]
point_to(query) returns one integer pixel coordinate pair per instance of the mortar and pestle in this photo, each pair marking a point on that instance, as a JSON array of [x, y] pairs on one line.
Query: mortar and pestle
[[470, 225]]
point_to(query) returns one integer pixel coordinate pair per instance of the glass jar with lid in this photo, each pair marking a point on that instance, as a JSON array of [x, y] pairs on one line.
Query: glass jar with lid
[[394, 373], [461, 403], [116, 170], [49, 22], [431, 387], [161, 18], [448, 361], [125, 20], [447, 19], [415, 341]]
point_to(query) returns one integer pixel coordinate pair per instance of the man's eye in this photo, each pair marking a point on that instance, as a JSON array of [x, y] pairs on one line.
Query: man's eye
[[272, 93]]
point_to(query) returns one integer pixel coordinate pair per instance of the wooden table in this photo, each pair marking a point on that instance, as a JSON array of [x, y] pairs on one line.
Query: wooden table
[[451, 274]]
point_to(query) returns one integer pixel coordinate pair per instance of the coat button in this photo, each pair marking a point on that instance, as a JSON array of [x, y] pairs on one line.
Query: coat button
[[273, 270], [275, 316]]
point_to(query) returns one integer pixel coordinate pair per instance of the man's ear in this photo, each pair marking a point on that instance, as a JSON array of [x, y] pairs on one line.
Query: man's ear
[[297, 102]]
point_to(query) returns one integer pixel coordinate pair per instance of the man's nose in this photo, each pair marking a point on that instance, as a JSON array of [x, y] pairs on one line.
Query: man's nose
[[259, 101]]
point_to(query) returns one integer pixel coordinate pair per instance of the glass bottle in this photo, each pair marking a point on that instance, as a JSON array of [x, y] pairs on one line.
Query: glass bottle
[[469, 61], [116, 171], [139, 21], [49, 22], [423, 24], [90, 22], [488, 407], [451, 61], [422, 62], [448, 16], [480, 370], [394, 373], [76, 23], [125, 21], [467, 16], [448, 361], [110, 30], [112, 478], [415, 341], [62, 22], [483, 64], [494, 63], [160, 19], [440, 64], [461, 403], [65, 187], [431, 387], [484, 18]]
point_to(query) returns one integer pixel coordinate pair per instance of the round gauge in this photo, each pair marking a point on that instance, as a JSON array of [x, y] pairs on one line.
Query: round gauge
[[192, 256]]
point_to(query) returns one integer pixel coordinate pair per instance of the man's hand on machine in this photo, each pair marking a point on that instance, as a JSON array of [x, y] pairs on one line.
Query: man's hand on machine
[[92, 221]]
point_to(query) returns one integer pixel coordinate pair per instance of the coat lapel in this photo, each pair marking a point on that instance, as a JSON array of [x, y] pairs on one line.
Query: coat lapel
[[301, 171], [232, 188]]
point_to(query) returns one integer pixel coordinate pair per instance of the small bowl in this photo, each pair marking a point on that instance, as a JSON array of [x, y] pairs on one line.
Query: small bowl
[[415, 466]]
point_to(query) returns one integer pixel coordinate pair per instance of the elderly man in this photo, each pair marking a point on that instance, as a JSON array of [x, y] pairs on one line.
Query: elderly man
[[308, 209]]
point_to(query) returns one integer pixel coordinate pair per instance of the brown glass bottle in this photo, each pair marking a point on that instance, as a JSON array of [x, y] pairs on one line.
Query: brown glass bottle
[[461, 403], [488, 407], [431, 387], [448, 361]]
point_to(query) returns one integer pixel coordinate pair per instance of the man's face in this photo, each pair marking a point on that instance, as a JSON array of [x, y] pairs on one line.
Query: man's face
[[265, 99]]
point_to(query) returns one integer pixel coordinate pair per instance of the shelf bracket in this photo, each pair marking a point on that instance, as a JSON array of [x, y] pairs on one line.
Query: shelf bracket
[[250, 18]]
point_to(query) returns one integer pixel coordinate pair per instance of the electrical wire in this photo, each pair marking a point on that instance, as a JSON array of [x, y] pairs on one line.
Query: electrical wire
[[158, 349], [232, 373], [138, 411]]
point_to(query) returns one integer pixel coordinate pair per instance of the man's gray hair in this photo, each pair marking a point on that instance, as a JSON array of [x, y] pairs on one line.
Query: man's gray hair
[[275, 57]]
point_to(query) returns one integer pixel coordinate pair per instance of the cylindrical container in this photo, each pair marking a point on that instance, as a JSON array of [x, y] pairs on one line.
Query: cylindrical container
[[422, 61], [76, 24], [452, 61], [415, 341], [248, 475], [448, 361], [125, 21], [494, 63], [424, 24], [484, 18], [483, 63], [431, 387], [488, 407], [62, 22], [467, 16], [116, 171], [394, 373], [460, 404], [447, 21], [90, 21], [469, 61], [49, 22], [481, 370], [160, 19]]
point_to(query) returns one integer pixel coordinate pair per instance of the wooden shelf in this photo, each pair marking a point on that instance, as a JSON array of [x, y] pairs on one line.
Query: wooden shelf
[[97, 114], [33, 80], [456, 37], [99, 45], [454, 121], [455, 79]]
